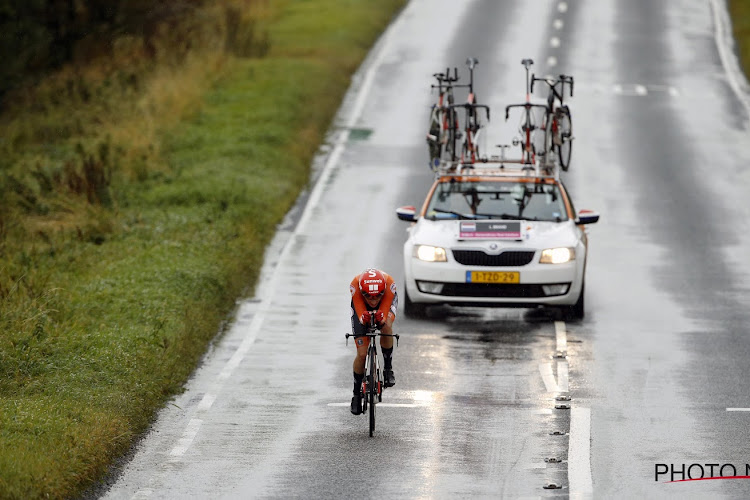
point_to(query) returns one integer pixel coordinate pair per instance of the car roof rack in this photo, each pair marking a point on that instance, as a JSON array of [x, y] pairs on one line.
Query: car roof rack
[[499, 165]]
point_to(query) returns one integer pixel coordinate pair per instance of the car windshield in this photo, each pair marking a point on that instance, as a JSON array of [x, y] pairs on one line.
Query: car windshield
[[497, 200]]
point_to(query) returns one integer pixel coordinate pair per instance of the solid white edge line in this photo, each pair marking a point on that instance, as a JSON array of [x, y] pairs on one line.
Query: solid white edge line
[[579, 454], [725, 44], [738, 409]]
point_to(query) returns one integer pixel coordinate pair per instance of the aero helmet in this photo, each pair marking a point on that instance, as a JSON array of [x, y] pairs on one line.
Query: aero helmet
[[372, 283]]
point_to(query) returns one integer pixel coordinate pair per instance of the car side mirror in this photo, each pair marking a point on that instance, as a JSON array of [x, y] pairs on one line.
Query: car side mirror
[[587, 217], [407, 213]]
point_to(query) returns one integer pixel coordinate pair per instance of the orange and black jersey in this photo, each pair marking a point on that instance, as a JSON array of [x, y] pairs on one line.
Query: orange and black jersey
[[388, 303]]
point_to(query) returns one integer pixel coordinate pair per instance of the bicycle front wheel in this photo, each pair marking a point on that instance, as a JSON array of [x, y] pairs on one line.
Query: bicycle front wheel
[[565, 148], [372, 392]]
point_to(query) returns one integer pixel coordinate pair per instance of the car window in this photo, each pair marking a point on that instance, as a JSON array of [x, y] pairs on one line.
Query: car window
[[496, 200]]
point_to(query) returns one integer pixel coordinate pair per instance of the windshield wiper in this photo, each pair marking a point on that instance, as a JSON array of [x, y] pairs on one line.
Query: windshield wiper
[[457, 214], [502, 216], [544, 219]]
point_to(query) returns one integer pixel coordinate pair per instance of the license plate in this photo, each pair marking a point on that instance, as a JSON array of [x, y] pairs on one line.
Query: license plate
[[493, 277]]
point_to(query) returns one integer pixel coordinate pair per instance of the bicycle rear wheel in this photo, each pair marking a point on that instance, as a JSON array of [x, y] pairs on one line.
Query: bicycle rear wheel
[[452, 134], [547, 144], [372, 391], [565, 148], [434, 140]]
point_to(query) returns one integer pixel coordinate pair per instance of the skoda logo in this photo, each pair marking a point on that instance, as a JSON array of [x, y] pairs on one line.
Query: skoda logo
[[493, 246]]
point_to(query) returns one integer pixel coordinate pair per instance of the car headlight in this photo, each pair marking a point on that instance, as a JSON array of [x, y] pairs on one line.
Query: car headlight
[[428, 253], [557, 255]]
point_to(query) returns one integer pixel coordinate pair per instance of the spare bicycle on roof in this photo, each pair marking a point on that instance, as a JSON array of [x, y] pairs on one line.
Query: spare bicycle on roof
[[545, 129]]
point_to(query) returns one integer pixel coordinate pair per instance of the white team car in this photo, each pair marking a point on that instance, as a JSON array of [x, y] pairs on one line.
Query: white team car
[[496, 237]]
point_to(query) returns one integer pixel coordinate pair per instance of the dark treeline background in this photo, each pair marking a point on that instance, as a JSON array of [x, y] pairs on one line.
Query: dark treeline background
[[37, 36]]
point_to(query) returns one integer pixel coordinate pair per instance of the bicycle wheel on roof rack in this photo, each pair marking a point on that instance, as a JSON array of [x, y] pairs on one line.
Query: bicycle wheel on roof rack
[[451, 120], [546, 144], [434, 140], [565, 148]]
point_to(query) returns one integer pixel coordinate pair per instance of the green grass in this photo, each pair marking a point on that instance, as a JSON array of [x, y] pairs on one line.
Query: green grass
[[108, 301], [739, 11]]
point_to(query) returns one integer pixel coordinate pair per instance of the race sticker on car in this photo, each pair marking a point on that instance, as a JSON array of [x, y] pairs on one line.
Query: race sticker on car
[[490, 230], [493, 277]]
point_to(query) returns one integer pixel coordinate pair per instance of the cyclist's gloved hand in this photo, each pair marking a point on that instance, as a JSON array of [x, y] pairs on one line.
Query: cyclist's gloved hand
[[365, 318], [379, 319]]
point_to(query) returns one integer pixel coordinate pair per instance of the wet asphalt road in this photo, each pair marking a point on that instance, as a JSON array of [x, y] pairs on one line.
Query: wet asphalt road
[[656, 370]]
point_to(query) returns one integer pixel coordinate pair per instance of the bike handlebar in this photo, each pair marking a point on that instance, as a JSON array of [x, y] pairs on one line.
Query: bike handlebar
[[373, 334], [446, 77], [526, 105], [562, 80], [471, 105]]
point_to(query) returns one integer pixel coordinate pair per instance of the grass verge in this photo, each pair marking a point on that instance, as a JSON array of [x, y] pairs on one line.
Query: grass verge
[[118, 268], [739, 12]]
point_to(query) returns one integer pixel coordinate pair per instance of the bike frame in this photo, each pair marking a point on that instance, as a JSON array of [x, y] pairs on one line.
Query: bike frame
[[528, 151], [472, 131]]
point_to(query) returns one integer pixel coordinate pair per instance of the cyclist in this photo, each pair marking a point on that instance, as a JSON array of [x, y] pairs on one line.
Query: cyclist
[[373, 294]]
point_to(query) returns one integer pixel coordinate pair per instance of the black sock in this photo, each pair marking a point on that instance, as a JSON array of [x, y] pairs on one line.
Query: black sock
[[358, 377], [388, 358]]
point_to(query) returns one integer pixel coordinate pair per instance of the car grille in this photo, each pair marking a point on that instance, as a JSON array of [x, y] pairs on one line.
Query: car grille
[[504, 259], [492, 290]]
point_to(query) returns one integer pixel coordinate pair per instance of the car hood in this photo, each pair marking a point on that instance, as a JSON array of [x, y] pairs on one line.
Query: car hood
[[533, 235]]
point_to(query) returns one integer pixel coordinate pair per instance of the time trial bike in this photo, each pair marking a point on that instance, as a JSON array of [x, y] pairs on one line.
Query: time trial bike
[[371, 390]]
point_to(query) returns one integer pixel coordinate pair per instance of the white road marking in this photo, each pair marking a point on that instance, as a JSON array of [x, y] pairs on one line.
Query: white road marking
[[562, 7], [545, 369], [558, 24], [206, 402], [738, 409], [542, 411], [554, 42], [561, 336], [187, 437], [388, 405], [552, 385], [641, 90], [579, 454], [562, 376], [552, 61]]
